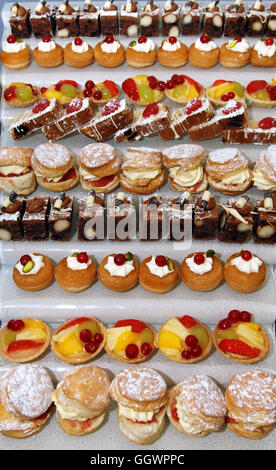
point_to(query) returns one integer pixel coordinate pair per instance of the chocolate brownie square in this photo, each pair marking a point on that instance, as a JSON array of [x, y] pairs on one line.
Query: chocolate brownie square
[[236, 221], [91, 217], [60, 217], [206, 217], [35, 218], [11, 213]]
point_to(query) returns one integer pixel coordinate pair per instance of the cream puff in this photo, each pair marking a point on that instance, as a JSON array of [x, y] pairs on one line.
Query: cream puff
[[251, 401], [142, 170], [172, 53], [76, 273], [109, 52], [78, 340], [204, 52], [25, 400], [235, 53], [15, 53], [264, 172], [158, 274], [142, 396], [78, 53], [263, 53], [119, 272], [244, 272], [141, 53], [228, 172], [98, 166], [186, 172], [81, 399], [48, 53], [16, 173], [202, 271], [33, 272], [196, 406], [54, 168]]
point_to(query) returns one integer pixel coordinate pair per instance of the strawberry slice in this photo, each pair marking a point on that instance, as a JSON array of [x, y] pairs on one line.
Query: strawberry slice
[[137, 325], [111, 86], [255, 85], [130, 88], [75, 321], [187, 321], [193, 82], [24, 345], [236, 346], [103, 181], [220, 82], [230, 420]]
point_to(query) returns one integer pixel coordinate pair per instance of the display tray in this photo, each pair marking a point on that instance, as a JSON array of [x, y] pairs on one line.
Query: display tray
[[54, 305]]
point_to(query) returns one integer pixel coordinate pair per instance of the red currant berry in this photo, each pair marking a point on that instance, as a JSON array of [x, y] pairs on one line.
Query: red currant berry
[[9, 93], [78, 41], [15, 325], [89, 84], [109, 39], [231, 95], [146, 349], [132, 351], [199, 258], [152, 80], [186, 354], [74, 106], [119, 259], [225, 324], [238, 39], [87, 92], [204, 38], [234, 316], [196, 351], [83, 257], [43, 89], [245, 316], [90, 347], [98, 337], [224, 97], [172, 39], [25, 259], [142, 39], [11, 39], [169, 85], [161, 86], [161, 260], [46, 39], [187, 321], [85, 335], [191, 341], [246, 255], [97, 95], [193, 105], [269, 42], [150, 110], [40, 106]]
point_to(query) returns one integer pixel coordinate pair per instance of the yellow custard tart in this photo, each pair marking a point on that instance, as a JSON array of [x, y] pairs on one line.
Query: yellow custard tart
[[240, 339], [78, 340], [184, 339], [130, 341], [24, 339]]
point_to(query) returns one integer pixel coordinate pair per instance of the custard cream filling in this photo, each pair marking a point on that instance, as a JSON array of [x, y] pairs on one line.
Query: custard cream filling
[[142, 416], [239, 177], [261, 182], [185, 422], [72, 409], [186, 177], [141, 175], [88, 176], [15, 169]]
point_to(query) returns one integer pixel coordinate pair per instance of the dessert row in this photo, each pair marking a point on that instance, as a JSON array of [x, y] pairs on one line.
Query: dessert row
[[186, 19], [191, 168], [180, 339], [201, 271], [115, 218], [172, 53], [82, 398]]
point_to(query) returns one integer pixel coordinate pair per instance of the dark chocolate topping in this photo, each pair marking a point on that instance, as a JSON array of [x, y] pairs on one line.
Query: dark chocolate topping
[[35, 205], [134, 8], [12, 207], [13, 196]]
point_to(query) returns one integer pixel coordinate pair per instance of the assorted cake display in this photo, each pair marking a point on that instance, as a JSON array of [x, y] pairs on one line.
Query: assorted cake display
[[116, 189]]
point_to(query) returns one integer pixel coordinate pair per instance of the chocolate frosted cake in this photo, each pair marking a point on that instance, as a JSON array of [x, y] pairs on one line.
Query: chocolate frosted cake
[[42, 20], [91, 217], [213, 20], [149, 22], [170, 19], [129, 19], [60, 217], [89, 24], [121, 217], [236, 221], [35, 219], [180, 214], [66, 21], [271, 21], [109, 18], [257, 20], [20, 21], [264, 230], [235, 20], [206, 217], [11, 213], [191, 18], [152, 218]]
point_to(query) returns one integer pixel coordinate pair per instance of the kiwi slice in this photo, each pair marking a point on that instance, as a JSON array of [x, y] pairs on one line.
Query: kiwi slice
[[170, 264], [28, 267]]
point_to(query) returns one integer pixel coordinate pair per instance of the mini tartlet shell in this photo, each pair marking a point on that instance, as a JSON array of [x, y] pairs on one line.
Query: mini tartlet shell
[[205, 352], [38, 281], [169, 95], [81, 357], [242, 359], [16, 103], [102, 101], [202, 282], [31, 356], [118, 283], [243, 282], [258, 102]]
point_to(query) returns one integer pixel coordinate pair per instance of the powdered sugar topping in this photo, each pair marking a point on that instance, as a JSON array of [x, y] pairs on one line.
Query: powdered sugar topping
[[223, 155], [52, 155], [96, 155], [141, 384]]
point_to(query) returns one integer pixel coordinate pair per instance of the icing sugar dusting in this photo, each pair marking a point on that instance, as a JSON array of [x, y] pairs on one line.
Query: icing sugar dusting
[[52, 155], [141, 384], [224, 155], [271, 154]]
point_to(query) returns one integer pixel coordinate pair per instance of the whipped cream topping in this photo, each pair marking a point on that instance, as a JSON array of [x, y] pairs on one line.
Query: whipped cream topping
[[46, 46], [110, 48], [207, 47], [144, 46], [240, 46], [186, 421], [239, 177], [140, 175], [38, 264], [167, 46], [120, 271], [13, 47], [160, 271], [134, 415], [81, 48], [266, 51], [75, 265], [248, 267], [200, 268], [261, 182], [186, 178]]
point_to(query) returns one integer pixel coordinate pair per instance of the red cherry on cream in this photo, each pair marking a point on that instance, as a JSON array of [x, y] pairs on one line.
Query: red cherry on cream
[[199, 258], [246, 255]]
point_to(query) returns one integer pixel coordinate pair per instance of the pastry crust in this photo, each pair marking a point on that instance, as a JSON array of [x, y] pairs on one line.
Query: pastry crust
[[50, 59], [99, 159], [189, 156], [262, 61], [156, 284], [109, 60], [88, 184], [11, 426], [258, 102], [203, 59], [76, 59], [38, 281], [16, 60], [80, 428], [139, 59], [202, 282], [173, 59], [75, 280], [23, 185], [16, 103], [230, 190], [183, 100], [243, 282], [118, 283], [59, 186], [233, 59], [142, 433]]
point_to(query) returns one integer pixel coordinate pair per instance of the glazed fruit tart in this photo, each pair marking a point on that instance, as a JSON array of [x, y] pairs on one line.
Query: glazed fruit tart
[[222, 91], [143, 89], [181, 88]]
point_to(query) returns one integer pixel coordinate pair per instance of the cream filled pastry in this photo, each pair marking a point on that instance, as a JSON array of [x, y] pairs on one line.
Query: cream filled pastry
[[204, 52], [235, 53], [264, 172], [76, 273], [172, 53], [33, 272], [141, 394], [186, 172], [158, 274], [228, 172], [109, 52], [48, 53], [119, 272], [141, 53], [142, 171], [78, 53], [196, 406], [244, 271], [202, 271], [16, 173], [15, 53], [263, 53], [81, 400]]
